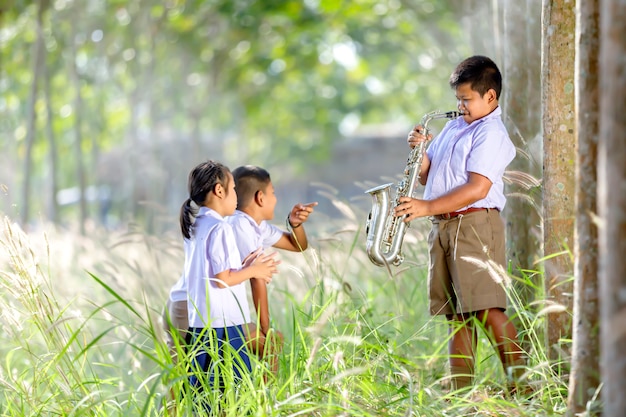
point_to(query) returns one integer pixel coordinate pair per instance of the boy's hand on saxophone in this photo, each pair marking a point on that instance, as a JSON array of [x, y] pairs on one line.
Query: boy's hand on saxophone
[[416, 136], [411, 208]]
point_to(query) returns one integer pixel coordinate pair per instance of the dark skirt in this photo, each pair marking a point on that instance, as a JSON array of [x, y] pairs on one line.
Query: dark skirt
[[218, 354]]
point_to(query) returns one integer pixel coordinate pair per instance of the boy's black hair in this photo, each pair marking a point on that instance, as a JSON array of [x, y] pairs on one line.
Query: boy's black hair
[[481, 72], [249, 180]]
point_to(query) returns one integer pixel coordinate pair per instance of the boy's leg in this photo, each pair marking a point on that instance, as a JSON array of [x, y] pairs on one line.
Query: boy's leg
[[443, 300], [255, 339], [479, 240], [461, 348], [504, 337], [267, 342], [273, 348], [264, 346]]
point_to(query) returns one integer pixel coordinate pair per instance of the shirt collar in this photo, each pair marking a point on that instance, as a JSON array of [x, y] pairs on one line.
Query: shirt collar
[[497, 112], [205, 211], [247, 217]]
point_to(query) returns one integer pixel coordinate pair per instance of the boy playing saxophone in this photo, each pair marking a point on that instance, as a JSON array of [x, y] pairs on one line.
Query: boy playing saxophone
[[462, 171]]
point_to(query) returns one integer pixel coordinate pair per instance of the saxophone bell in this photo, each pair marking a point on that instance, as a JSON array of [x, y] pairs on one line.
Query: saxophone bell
[[385, 232]]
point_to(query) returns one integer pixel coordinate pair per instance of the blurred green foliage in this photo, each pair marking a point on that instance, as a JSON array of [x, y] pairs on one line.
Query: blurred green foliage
[[157, 86]]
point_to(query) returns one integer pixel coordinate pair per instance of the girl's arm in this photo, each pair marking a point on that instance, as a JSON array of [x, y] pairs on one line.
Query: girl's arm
[[261, 266]]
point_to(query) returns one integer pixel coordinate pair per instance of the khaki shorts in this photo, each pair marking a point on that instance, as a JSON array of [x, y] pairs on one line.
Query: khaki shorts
[[458, 278]]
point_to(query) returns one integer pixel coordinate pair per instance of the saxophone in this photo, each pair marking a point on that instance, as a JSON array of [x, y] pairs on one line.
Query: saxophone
[[385, 232]]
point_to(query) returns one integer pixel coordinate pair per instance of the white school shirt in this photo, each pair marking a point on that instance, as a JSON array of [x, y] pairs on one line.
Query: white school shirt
[[178, 292], [250, 236], [212, 249], [483, 147]]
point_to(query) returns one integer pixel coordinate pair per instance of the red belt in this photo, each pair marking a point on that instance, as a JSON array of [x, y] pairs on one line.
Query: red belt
[[448, 216]]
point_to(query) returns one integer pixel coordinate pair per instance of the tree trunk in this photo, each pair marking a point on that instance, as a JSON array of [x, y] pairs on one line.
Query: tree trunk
[[612, 204], [31, 117], [559, 163], [135, 191], [471, 15], [156, 190], [53, 206], [585, 376], [78, 135], [521, 104]]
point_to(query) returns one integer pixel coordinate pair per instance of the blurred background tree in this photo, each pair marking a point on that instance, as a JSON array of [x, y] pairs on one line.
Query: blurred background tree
[[106, 104]]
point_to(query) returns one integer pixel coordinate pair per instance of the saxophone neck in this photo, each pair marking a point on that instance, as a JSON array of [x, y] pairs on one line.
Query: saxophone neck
[[438, 115]]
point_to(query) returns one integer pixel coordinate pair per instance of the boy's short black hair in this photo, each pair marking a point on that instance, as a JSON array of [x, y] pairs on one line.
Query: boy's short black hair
[[249, 180], [481, 72]]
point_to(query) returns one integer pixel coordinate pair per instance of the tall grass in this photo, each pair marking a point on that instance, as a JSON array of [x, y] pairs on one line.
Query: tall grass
[[81, 334]]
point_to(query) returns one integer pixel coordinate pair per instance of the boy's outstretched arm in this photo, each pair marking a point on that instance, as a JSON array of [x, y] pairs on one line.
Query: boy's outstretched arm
[[296, 241]]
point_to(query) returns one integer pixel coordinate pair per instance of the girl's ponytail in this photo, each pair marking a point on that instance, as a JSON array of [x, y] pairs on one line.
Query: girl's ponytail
[[188, 213], [202, 180]]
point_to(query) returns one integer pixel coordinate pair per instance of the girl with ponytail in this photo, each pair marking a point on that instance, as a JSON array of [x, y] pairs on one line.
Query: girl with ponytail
[[214, 278]]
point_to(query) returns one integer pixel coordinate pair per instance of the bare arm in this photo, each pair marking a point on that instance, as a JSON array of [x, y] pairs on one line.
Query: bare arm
[[296, 241], [262, 267], [475, 189], [261, 304], [424, 169]]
